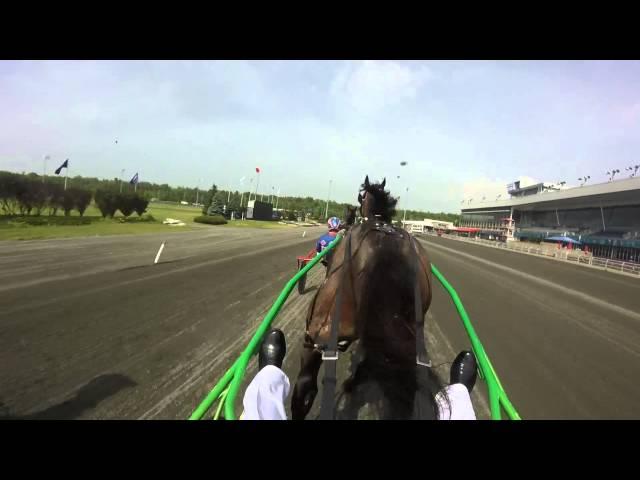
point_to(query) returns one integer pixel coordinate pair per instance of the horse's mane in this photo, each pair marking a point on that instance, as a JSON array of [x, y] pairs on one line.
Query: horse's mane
[[385, 204]]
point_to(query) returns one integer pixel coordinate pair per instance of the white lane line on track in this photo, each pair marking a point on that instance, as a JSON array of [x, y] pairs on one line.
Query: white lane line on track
[[159, 275], [102, 269], [540, 281], [231, 305]]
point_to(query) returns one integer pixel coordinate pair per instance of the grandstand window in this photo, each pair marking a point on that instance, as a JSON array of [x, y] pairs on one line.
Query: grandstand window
[[585, 221], [623, 218]]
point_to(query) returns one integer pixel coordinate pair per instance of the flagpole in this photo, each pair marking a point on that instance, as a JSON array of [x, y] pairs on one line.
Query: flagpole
[[257, 183], [66, 174]]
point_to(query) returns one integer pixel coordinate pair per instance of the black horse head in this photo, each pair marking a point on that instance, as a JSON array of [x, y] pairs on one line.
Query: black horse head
[[350, 216], [376, 202]]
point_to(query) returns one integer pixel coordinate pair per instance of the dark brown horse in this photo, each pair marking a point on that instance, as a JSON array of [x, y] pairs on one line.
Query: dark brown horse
[[378, 276]]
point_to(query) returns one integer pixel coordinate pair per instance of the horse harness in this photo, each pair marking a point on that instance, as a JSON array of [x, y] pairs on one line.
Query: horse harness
[[330, 351]]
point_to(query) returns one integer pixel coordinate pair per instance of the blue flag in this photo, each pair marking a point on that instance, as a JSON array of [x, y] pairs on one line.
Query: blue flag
[[134, 180], [64, 165]]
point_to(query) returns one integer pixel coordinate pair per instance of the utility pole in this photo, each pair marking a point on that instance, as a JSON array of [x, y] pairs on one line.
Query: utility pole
[[44, 170], [404, 218], [326, 209]]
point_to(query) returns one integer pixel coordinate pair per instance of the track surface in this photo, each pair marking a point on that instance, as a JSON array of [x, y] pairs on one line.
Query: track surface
[[89, 328]]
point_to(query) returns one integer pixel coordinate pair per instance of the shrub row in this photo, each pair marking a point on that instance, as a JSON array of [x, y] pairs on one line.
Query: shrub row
[[109, 203], [210, 219], [24, 196]]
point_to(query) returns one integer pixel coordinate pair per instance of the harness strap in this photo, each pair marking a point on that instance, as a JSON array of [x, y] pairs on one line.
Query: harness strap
[[330, 353], [422, 357]]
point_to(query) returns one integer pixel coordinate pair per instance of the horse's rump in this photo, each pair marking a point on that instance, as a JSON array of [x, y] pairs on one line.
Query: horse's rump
[[378, 281]]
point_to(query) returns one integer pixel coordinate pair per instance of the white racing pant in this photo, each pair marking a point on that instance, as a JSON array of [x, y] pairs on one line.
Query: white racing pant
[[265, 396]]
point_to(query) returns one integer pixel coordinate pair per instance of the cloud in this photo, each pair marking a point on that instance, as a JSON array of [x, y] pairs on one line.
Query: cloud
[[370, 86], [630, 115]]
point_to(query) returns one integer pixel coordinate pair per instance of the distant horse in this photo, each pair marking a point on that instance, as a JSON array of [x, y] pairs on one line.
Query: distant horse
[[349, 221], [385, 278], [349, 217]]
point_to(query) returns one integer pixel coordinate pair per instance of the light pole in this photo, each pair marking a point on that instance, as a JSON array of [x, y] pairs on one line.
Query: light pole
[[326, 208], [404, 218], [612, 174], [242, 197], [250, 185], [44, 170], [635, 170]]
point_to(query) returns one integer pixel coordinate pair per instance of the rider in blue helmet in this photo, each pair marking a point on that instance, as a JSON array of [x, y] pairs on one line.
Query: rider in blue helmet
[[322, 243], [327, 238]]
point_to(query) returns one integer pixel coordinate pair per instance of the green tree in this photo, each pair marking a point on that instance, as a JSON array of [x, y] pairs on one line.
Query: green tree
[[82, 200], [208, 198], [215, 207], [125, 203], [140, 205], [68, 201]]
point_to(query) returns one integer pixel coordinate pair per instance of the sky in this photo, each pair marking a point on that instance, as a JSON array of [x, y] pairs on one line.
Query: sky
[[464, 128]]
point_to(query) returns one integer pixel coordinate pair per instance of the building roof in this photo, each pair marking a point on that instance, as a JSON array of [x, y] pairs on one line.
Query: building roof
[[427, 222], [512, 189], [617, 193]]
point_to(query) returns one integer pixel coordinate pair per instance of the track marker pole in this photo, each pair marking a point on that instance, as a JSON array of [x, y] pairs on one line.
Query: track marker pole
[[159, 253]]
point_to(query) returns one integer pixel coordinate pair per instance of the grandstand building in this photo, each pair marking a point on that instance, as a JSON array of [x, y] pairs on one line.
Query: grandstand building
[[602, 218], [422, 226]]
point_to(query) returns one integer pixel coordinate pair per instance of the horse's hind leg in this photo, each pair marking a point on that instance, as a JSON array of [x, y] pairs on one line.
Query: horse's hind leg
[[306, 387]]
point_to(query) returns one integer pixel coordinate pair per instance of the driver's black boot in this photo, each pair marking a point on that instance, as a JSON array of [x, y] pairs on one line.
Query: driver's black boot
[[464, 370], [273, 349]]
